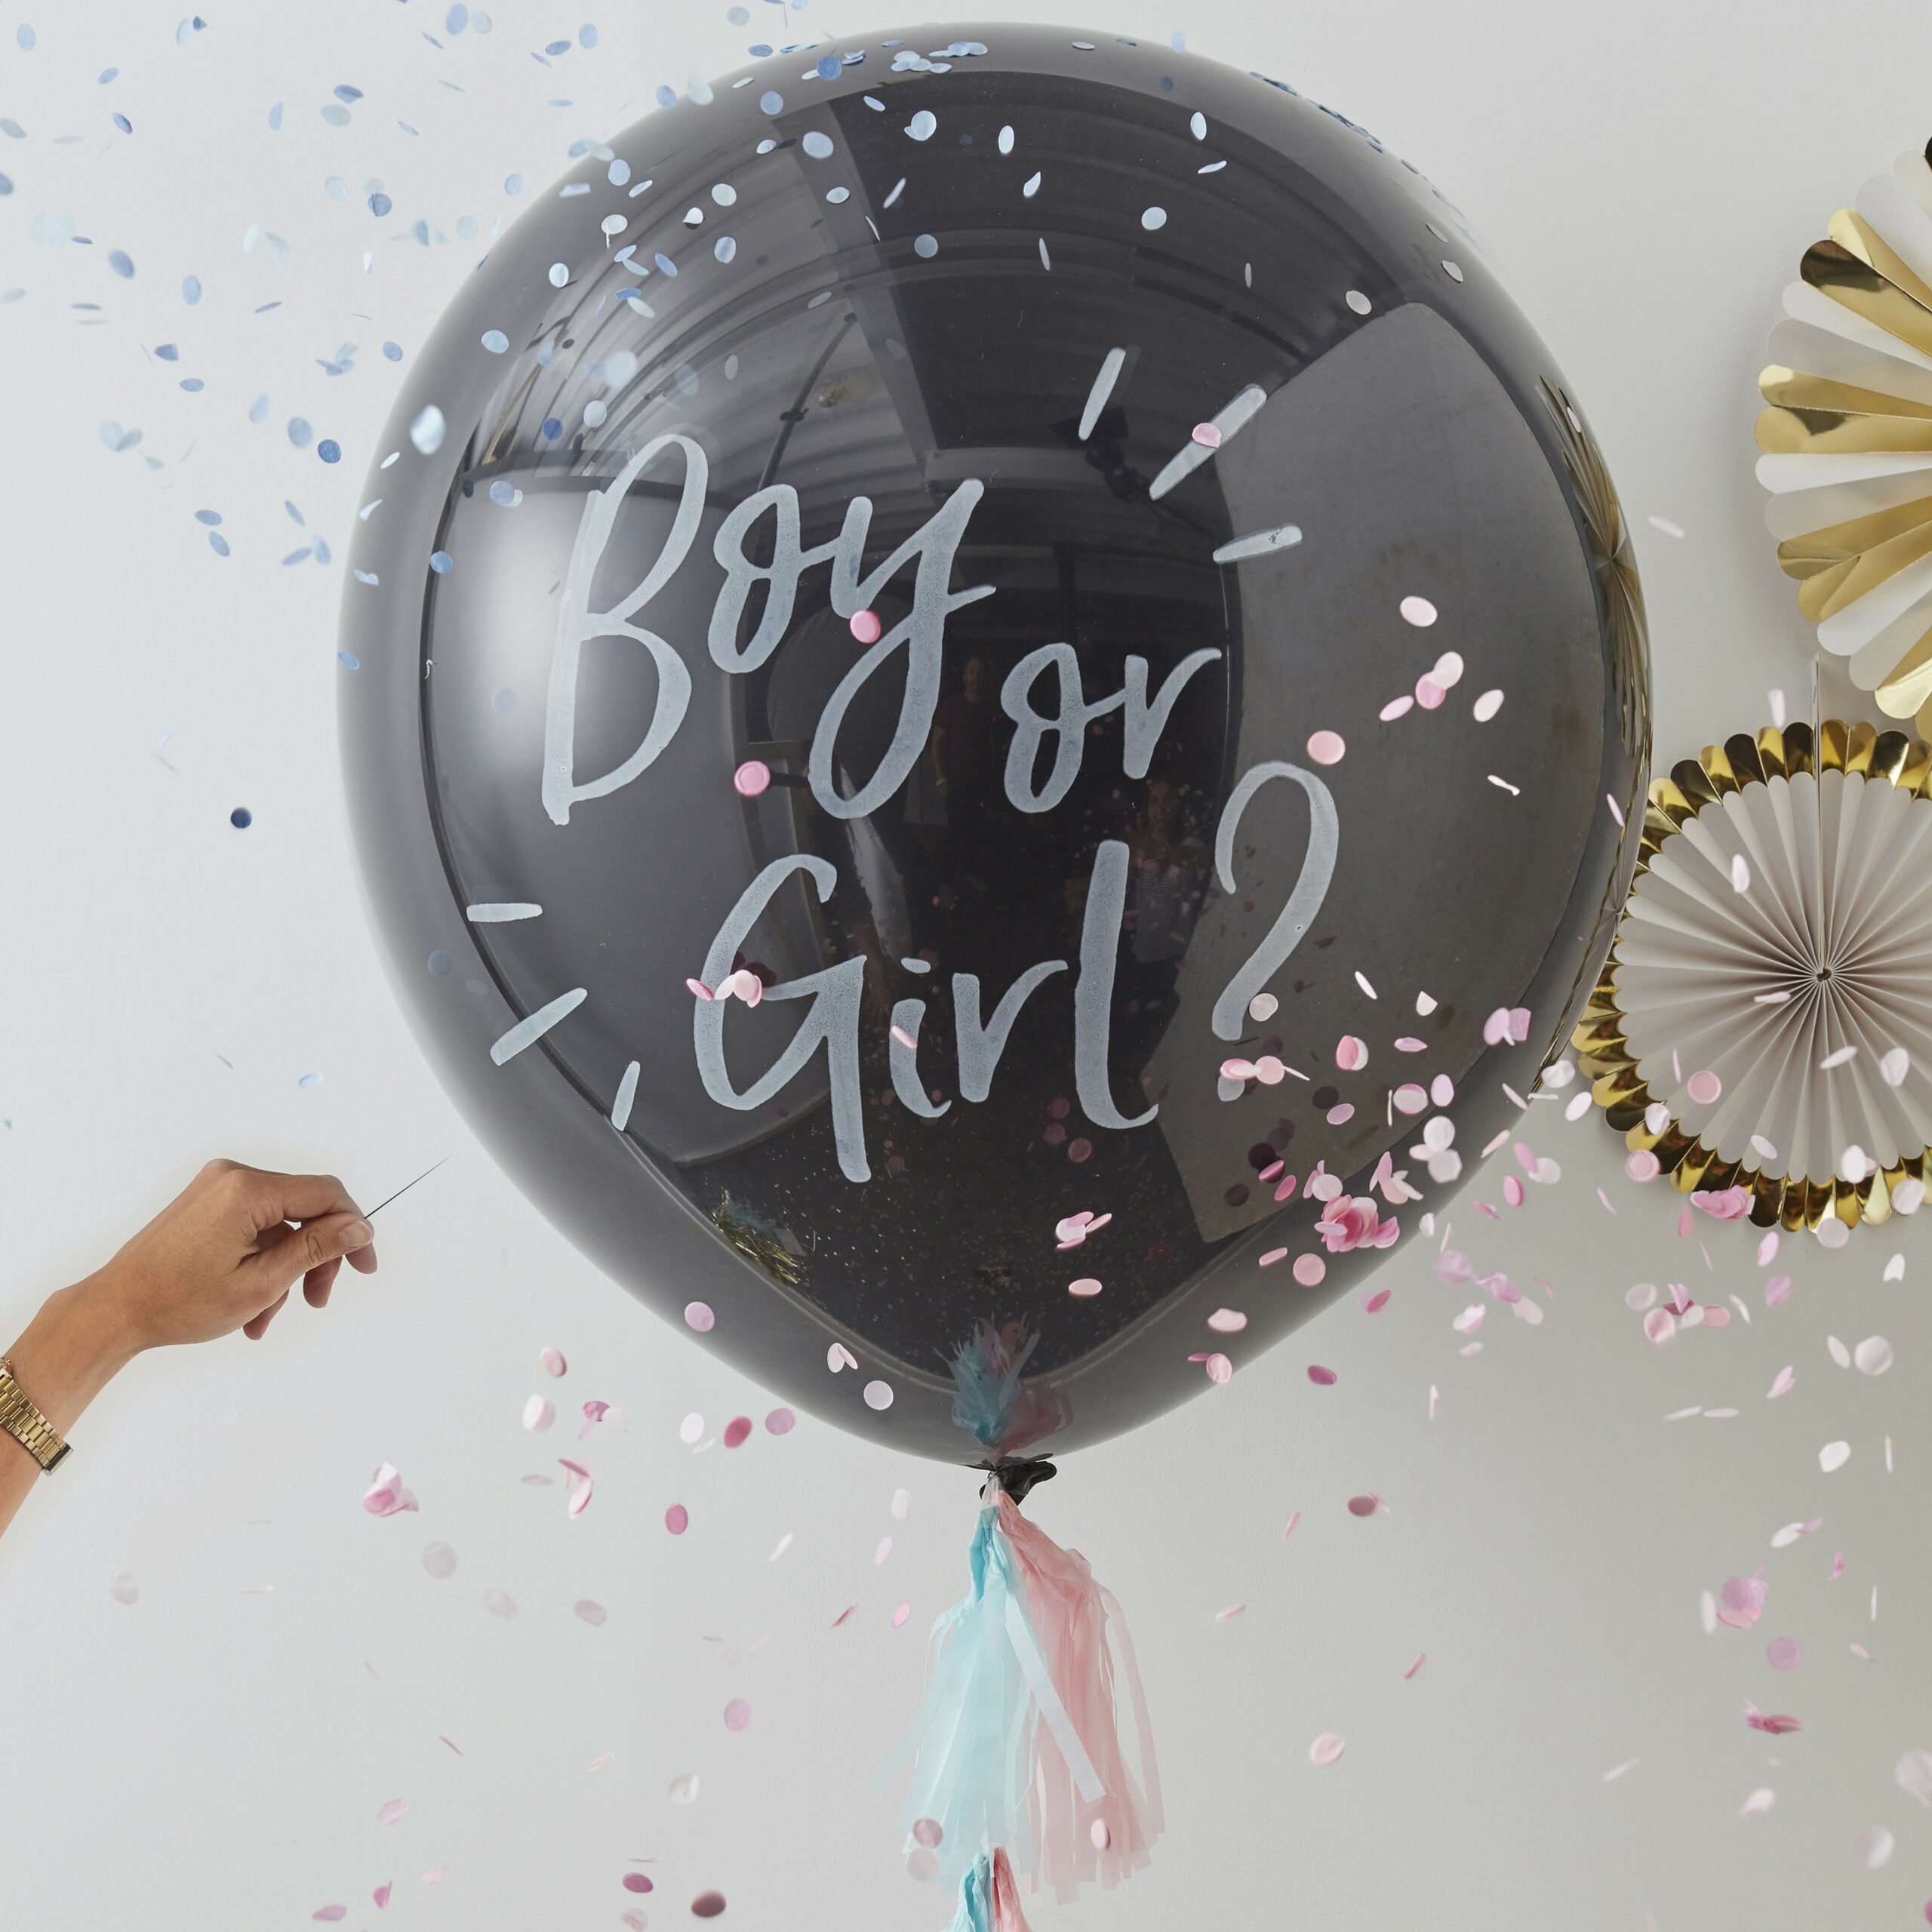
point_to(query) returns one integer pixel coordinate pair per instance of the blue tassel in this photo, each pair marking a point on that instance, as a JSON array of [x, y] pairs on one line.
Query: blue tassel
[[976, 1898]]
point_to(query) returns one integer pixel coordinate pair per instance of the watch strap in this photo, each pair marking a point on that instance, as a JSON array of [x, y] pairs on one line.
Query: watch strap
[[25, 1424]]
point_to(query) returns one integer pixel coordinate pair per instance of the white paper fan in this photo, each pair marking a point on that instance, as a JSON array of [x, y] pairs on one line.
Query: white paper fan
[[1764, 1020], [1847, 440]]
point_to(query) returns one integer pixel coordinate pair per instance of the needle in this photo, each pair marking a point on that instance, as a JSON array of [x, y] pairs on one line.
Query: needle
[[404, 1189]]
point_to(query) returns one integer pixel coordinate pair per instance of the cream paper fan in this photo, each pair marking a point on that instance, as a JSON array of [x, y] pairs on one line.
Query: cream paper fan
[[1764, 1019], [1847, 440]]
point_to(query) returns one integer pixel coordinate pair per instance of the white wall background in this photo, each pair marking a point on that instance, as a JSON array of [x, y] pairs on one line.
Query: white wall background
[[214, 1755]]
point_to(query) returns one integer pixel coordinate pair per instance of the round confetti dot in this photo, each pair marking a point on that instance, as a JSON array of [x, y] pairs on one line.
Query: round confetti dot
[[866, 626], [1219, 1369], [1704, 1087], [495, 341], [878, 1395], [1359, 302], [499, 1603], [441, 562], [1327, 747], [676, 1519], [1351, 1053], [1099, 1835], [1309, 1270], [1326, 1750], [1643, 1165], [1362, 1505], [737, 1715], [439, 964], [737, 1431], [1227, 1321], [928, 1831], [636, 1881], [1322, 1378], [781, 1422], [921, 1865], [1207, 436], [1486, 706], [698, 1316], [329, 450], [707, 1905], [1085, 1287], [1079, 1150], [439, 1560], [1417, 611], [1263, 1006], [538, 1414], [752, 778], [241, 818], [1153, 218], [1340, 1116], [1782, 1653], [925, 247]]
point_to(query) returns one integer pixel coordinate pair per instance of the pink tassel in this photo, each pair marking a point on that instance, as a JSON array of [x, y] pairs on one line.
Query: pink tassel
[[1006, 1915], [1073, 1617]]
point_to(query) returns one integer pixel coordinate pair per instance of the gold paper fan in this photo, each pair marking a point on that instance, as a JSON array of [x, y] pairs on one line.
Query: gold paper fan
[[1847, 439], [1764, 1021]]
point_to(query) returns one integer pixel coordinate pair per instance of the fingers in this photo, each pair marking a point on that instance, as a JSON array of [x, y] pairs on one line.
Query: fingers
[[270, 1198], [312, 1252], [256, 1328]]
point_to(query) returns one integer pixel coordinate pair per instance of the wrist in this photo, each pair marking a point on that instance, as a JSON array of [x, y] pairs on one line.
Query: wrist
[[80, 1340]]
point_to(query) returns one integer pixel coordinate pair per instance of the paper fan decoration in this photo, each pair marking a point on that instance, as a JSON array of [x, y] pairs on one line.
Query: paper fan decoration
[[1764, 1021], [1847, 440]]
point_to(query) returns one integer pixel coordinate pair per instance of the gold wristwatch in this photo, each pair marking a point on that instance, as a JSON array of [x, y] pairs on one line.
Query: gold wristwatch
[[26, 1424]]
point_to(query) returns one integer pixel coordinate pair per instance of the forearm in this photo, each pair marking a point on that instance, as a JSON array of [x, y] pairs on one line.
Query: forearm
[[67, 1353]]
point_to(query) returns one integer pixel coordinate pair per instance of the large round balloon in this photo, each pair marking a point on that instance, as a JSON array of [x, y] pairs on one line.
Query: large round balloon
[[990, 664]]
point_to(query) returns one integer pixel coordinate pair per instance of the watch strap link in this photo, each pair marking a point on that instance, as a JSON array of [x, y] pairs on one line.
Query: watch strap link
[[20, 1420]]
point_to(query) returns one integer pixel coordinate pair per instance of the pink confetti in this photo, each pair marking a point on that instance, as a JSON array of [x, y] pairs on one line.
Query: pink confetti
[[1322, 1378], [781, 1422], [1741, 1602], [737, 1715], [1309, 1270], [1207, 436], [1777, 1290], [1660, 1325], [1351, 1053], [752, 778], [839, 1356], [676, 1519], [381, 1895], [1704, 1087], [386, 1496], [698, 1317], [1100, 1837], [1326, 748], [1643, 1165], [591, 1612], [329, 1914], [1430, 694], [698, 987], [738, 1431], [1079, 1150], [1778, 1727], [1232, 1610], [1507, 1025], [1376, 1302], [707, 1905], [396, 1808], [1085, 1287], [1219, 1369], [636, 1881], [1227, 1321], [1363, 1505], [1417, 611], [900, 1615], [1783, 1653], [1397, 707], [1616, 809], [1326, 1750], [551, 1361], [844, 1615], [1422, 1657], [866, 626]]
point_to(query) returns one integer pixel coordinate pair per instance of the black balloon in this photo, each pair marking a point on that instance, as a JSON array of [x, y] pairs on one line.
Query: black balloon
[[1038, 458]]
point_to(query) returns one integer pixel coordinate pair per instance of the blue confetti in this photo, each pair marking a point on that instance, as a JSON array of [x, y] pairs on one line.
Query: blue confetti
[[393, 350], [193, 384], [121, 122], [191, 289], [441, 562], [299, 433], [557, 46], [218, 543], [6, 185], [759, 51], [349, 660], [211, 518], [480, 22], [329, 450], [309, 1080], [495, 341], [348, 93], [829, 68], [586, 37], [724, 248], [456, 19], [667, 265], [106, 74], [379, 203], [367, 577], [118, 260], [772, 102], [439, 963], [295, 516], [274, 118], [25, 34], [666, 98], [552, 428], [168, 352], [503, 702], [503, 493], [295, 556], [258, 410], [513, 185], [321, 550], [241, 818]]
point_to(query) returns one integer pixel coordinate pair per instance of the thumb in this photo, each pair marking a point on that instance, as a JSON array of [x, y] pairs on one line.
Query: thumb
[[315, 1243]]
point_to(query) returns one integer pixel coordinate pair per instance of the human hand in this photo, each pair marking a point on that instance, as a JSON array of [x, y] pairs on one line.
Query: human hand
[[224, 1252]]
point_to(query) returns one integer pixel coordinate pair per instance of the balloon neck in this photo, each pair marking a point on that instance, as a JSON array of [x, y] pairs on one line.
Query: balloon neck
[[1016, 1476]]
